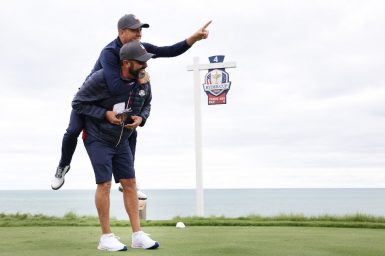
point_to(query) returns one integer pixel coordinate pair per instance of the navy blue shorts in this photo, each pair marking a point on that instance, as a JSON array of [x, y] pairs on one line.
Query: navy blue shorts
[[108, 160]]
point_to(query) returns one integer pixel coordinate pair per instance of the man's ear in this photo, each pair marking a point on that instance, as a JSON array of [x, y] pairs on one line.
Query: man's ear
[[126, 63]]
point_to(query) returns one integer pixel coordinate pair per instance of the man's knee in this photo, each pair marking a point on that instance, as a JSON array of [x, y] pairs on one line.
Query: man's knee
[[73, 132], [104, 187], [128, 184], [76, 124]]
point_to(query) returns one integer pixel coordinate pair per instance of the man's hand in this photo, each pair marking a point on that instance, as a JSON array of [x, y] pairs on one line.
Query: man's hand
[[137, 121], [202, 33], [144, 77], [111, 117]]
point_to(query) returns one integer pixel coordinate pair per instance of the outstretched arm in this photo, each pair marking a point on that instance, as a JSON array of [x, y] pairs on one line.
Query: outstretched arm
[[180, 47], [200, 34]]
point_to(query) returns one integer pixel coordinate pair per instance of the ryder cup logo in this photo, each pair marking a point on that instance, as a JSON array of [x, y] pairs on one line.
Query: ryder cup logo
[[217, 83], [142, 93]]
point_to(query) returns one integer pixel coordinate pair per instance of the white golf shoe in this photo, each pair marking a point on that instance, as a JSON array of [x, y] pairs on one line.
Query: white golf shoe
[[111, 243], [58, 180], [141, 194], [143, 241]]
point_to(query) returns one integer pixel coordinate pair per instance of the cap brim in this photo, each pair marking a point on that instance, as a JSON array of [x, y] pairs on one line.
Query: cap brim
[[140, 25], [145, 57]]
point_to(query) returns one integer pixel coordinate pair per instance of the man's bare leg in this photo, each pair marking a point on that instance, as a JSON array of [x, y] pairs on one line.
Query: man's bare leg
[[102, 202], [130, 199], [131, 203]]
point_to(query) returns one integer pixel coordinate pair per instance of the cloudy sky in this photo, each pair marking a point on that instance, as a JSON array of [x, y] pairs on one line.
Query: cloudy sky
[[306, 106]]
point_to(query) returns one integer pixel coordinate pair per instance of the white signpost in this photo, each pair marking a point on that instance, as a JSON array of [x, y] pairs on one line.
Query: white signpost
[[196, 68]]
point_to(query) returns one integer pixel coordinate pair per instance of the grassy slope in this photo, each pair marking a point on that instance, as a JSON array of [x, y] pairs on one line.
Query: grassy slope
[[202, 241]]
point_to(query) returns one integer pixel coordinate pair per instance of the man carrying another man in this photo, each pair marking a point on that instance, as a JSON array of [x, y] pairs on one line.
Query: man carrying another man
[[107, 127], [129, 29]]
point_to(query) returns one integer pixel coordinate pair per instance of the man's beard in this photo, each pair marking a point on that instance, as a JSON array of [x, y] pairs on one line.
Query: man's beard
[[135, 73]]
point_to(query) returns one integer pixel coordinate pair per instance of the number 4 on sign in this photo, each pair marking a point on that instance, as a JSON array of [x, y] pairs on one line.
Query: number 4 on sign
[[196, 67]]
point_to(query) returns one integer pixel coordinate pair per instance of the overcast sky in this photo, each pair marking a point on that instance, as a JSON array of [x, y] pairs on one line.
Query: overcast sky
[[306, 106]]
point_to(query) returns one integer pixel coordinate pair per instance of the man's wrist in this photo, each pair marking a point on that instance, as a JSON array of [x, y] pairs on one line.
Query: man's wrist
[[191, 40]]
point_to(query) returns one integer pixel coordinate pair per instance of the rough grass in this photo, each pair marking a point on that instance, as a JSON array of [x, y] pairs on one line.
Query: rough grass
[[72, 219]]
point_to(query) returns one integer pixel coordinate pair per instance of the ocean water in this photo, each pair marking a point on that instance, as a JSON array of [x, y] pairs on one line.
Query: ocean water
[[166, 204]]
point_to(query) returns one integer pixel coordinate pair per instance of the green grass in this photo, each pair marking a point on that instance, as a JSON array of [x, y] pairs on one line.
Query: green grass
[[198, 241], [289, 235], [71, 219]]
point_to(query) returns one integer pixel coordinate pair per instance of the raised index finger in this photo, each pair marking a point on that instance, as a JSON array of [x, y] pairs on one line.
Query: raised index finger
[[207, 24]]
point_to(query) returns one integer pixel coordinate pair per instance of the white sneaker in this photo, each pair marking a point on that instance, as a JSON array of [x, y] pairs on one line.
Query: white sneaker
[[58, 180], [111, 243], [141, 194], [143, 241]]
